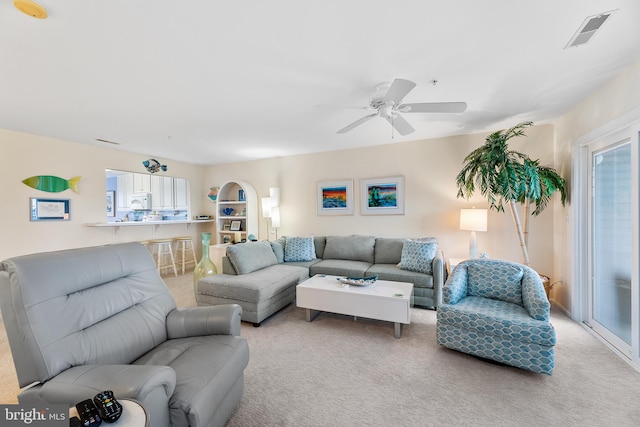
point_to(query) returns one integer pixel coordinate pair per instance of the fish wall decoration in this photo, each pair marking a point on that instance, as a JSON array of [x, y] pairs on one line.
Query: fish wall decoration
[[154, 166], [53, 184]]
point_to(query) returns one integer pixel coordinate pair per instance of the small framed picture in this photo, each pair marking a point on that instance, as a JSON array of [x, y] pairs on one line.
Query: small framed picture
[[49, 209], [235, 225], [335, 197], [111, 203], [226, 226], [382, 196]]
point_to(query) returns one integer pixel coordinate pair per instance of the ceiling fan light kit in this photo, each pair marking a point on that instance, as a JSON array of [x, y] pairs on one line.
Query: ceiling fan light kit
[[389, 106], [31, 8]]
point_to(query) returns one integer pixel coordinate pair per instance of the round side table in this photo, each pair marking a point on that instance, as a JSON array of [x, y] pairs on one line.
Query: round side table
[[133, 414]]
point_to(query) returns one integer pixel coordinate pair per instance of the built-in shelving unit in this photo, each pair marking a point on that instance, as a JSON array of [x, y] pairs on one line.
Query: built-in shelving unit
[[242, 199]]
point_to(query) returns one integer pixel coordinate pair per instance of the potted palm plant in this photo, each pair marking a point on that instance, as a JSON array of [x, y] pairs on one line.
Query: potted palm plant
[[508, 177]]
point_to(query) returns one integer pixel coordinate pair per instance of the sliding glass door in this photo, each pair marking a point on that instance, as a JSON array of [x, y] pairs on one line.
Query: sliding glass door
[[610, 254]]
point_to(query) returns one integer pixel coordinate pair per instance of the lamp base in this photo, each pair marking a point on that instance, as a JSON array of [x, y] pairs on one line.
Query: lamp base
[[473, 246]]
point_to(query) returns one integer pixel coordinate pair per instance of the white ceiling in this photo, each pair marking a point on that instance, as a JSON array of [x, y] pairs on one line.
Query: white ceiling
[[211, 82]]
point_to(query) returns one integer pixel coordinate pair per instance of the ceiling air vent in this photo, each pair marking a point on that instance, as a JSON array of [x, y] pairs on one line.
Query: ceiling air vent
[[588, 29]]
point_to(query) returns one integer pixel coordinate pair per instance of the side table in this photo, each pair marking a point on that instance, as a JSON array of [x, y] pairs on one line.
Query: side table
[[133, 414], [217, 252]]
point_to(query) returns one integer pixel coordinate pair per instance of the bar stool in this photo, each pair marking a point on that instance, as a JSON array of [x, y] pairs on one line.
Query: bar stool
[[185, 254], [162, 249]]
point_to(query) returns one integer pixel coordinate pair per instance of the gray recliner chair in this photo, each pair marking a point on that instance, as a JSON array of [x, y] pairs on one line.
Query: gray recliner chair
[[85, 320]]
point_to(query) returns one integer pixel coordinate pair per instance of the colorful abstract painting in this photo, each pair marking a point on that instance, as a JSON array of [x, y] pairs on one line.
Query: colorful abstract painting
[[383, 196], [335, 197]]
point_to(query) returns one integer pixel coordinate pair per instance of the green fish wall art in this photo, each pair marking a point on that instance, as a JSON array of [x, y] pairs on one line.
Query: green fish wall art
[[53, 184]]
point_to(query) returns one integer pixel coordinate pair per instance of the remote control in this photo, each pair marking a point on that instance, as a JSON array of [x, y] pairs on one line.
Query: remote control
[[88, 414], [108, 407]]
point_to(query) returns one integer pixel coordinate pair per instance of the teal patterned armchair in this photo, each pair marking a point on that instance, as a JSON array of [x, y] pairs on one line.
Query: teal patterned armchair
[[497, 310]]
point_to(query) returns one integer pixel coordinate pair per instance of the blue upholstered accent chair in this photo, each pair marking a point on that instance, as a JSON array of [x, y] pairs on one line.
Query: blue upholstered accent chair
[[497, 310]]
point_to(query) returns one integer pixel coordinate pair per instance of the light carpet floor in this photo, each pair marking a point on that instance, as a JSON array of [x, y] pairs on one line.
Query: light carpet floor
[[336, 371]]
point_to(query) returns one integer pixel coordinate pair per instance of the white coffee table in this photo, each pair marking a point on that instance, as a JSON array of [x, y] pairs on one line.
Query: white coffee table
[[384, 300]]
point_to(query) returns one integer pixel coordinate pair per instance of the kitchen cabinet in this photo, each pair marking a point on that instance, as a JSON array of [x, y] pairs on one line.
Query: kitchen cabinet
[[162, 192], [181, 192], [128, 184], [167, 193], [124, 190], [141, 183]]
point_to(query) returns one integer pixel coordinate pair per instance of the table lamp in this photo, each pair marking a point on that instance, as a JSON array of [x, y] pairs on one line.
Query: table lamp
[[473, 220]]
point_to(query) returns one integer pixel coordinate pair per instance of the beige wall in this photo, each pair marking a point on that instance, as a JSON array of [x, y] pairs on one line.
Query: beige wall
[[431, 206], [24, 155], [617, 97], [429, 168]]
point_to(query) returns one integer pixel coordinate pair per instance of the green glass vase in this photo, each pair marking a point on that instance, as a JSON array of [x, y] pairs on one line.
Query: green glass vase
[[205, 266]]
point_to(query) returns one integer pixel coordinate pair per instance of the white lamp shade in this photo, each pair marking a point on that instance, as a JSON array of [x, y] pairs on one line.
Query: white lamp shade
[[266, 207], [274, 196], [275, 216], [473, 219]]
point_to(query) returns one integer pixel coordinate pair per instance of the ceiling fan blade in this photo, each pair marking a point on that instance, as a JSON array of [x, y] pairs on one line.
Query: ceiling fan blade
[[357, 123], [398, 90], [400, 124], [434, 107]]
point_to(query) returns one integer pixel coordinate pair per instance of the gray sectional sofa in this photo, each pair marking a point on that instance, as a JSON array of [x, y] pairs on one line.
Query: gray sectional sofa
[[262, 276]]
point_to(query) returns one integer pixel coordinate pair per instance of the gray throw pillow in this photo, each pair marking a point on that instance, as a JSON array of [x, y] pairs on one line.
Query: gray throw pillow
[[278, 249], [251, 256], [388, 250]]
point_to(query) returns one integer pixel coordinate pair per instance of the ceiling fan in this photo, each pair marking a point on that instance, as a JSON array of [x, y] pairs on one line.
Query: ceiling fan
[[389, 106]]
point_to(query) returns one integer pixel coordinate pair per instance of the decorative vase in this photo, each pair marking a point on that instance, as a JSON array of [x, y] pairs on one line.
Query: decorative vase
[[205, 266]]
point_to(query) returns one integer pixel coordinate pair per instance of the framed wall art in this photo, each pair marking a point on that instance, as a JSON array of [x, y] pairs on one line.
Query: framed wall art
[[111, 203], [335, 197], [382, 196], [235, 225], [49, 209]]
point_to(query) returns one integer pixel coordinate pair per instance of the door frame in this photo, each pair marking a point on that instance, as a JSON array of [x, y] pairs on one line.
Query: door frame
[[625, 126], [601, 146]]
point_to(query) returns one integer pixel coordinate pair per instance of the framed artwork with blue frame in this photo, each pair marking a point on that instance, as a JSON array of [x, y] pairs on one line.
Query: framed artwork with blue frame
[[49, 209]]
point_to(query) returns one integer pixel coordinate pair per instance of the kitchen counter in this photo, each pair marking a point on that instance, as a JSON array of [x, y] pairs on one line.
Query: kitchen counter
[[138, 223], [117, 226]]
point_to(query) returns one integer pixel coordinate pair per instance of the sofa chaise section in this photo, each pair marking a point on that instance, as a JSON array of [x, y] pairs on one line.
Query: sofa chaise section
[[253, 279], [260, 293]]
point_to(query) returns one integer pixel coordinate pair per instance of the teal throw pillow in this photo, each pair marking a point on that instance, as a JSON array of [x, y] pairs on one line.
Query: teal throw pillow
[[418, 256], [299, 249]]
